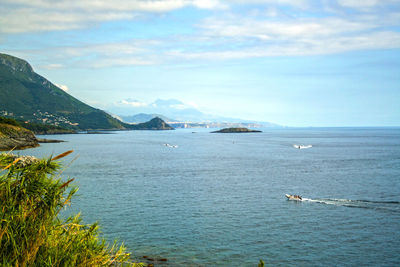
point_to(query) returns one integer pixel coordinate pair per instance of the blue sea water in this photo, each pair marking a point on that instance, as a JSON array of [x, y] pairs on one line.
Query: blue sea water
[[219, 199]]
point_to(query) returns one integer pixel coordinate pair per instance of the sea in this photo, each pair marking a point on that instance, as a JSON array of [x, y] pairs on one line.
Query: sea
[[198, 198]]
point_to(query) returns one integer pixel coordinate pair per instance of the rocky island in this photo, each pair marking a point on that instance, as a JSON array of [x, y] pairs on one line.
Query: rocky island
[[237, 130], [154, 124]]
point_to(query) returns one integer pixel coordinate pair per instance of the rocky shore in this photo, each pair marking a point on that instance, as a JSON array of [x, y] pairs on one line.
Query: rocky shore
[[44, 140], [16, 137]]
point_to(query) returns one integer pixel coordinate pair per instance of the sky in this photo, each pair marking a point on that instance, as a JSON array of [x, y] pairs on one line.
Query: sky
[[290, 62]]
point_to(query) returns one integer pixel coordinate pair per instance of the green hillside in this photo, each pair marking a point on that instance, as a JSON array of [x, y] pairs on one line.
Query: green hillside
[[25, 95]]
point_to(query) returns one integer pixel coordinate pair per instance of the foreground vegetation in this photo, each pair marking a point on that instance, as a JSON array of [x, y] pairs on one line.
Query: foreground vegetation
[[31, 232]]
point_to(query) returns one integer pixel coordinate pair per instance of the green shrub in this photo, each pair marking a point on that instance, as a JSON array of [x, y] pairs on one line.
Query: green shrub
[[31, 232], [9, 121]]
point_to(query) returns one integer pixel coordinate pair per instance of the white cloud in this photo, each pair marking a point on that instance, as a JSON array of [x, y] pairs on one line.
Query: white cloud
[[263, 37], [52, 66], [62, 87], [304, 47], [192, 105], [116, 5], [255, 32], [179, 107], [158, 106], [209, 4], [128, 53], [19, 16], [365, 3], [132, 103], [34, 20], [239, 27], [294, 3]]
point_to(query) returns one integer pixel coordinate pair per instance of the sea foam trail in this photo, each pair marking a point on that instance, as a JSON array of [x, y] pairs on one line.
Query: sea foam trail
[[393, 206], [302, 146]]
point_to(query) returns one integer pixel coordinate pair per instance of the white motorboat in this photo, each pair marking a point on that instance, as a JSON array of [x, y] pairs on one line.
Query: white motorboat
[[302, 146], [294, 197]]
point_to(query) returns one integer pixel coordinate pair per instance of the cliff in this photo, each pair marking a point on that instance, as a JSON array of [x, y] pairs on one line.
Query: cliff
[[16, 137]]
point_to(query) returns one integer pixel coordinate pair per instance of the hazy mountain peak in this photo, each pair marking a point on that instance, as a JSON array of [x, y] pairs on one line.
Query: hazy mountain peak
[[167, 103]]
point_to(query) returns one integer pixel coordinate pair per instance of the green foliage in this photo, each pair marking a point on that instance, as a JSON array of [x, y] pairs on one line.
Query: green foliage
[[9, 121], [32, 234], [261, 264], [40, 128], [37, 128]]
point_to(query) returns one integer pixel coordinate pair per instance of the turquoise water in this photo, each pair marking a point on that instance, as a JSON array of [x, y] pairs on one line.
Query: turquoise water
[[218, 199]]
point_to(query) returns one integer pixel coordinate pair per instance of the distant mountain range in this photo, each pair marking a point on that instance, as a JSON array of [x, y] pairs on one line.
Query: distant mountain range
[[173, 109], [27, 96], [142, 117], [177, 113]]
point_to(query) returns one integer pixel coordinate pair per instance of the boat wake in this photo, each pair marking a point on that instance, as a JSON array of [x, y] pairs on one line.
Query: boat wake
[[171, 146], [302, 146], [393, 206]]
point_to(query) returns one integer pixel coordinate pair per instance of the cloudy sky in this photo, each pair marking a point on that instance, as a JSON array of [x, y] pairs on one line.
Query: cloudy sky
[[291, 62]]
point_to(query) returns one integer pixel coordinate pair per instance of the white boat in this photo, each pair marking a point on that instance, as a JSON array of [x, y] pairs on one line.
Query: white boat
[[171, 146], [294, 197], [302, 146]]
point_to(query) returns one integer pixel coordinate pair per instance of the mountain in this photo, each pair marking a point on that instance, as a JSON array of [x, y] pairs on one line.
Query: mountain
[[176, 111], [142, 117], [25, 95], [154, 124], [170, 108]]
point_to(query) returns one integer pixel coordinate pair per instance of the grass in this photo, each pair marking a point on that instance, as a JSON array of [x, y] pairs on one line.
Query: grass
[[31, 232]]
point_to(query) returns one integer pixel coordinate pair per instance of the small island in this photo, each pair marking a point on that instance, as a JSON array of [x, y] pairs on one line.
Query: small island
[[154, 124], [237, 130]]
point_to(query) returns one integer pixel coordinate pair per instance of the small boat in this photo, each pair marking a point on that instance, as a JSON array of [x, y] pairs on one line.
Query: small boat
[[171, 146], [302, 146], [294, 197]]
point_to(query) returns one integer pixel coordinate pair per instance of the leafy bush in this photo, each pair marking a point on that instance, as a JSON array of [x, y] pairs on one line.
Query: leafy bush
[[9, 121], [32, 234]]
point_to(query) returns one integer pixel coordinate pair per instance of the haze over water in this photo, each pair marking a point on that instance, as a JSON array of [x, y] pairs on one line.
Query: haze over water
[[219, 199]]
